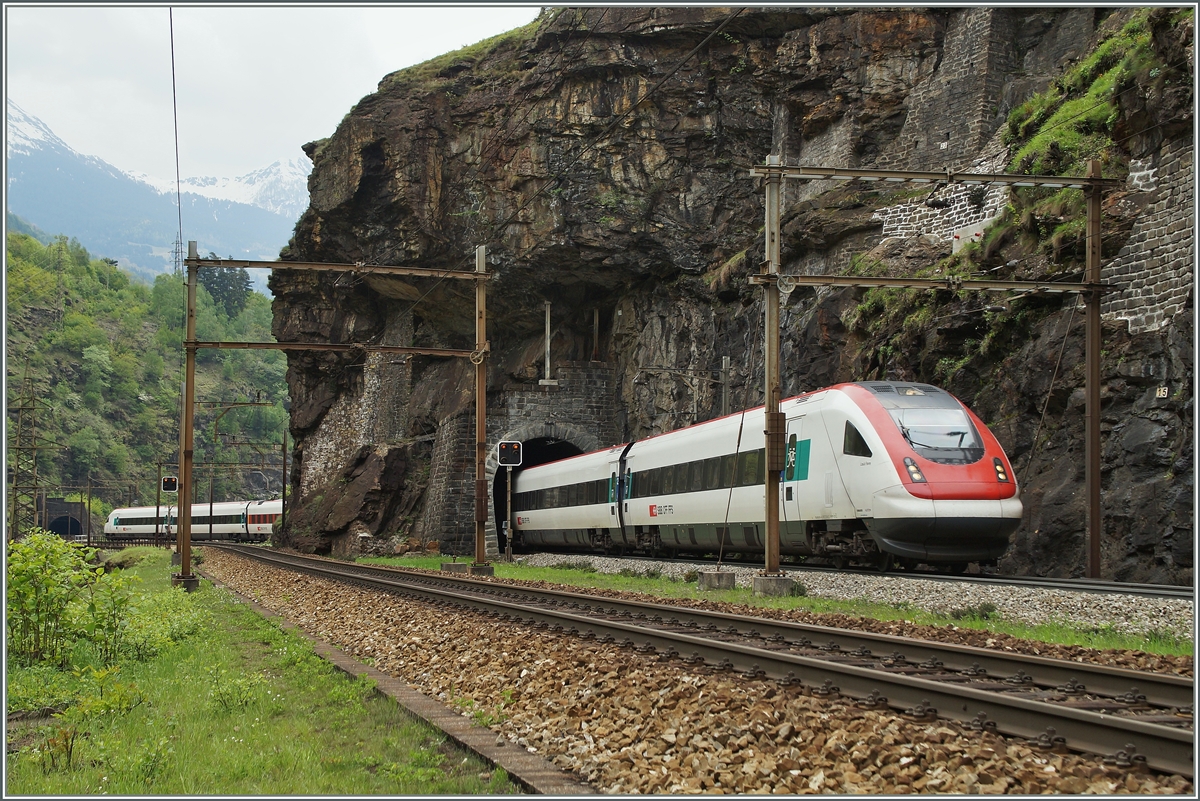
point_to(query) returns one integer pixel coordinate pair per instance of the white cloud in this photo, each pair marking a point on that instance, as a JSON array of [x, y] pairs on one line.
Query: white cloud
[[253, 83]]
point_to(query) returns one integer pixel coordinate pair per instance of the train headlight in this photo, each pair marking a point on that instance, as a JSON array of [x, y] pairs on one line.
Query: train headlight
[[1001, 473], [914, 472]]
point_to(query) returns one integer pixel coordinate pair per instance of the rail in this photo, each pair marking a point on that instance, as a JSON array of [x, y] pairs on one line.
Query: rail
[[1127, 716]]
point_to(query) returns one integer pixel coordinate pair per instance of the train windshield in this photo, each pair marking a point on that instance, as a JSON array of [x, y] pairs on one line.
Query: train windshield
[[945, 436]]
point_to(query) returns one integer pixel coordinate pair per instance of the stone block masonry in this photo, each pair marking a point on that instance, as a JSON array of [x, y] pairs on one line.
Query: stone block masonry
[[1156, 268], [580, 410]]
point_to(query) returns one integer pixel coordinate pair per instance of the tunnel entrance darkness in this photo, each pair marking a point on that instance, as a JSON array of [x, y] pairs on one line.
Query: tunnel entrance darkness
[[66, 526], [538, 450]]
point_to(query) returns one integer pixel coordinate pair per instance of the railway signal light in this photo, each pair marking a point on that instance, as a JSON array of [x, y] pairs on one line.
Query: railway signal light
[[508, 454], [170, 484]]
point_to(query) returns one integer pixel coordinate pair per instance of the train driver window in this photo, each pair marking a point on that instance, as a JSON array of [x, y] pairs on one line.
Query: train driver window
[[853, 444]]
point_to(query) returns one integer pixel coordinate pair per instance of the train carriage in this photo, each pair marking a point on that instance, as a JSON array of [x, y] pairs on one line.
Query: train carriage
[[248, 521], [875, 472]]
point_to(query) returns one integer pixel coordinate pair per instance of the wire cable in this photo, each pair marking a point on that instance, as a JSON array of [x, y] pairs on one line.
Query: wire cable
[[178, 203]]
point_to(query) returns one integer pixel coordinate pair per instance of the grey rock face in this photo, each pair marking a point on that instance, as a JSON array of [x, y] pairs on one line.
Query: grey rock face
[[642, 235]]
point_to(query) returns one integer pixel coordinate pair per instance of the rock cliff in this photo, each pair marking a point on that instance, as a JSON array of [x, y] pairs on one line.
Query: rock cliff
[[602, 155]]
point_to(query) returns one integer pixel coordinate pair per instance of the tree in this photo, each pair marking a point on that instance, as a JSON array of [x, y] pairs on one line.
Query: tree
[[228, 286]]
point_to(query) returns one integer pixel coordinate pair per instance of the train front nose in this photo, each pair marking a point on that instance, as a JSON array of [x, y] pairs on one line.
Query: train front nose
[[943, 530]]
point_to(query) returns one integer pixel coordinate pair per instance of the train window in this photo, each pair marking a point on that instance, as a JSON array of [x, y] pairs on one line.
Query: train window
[[728, 470], [592, 491], [940, 435], [668, 480], [853, 443], [712, 473], [682, 477], [696, 471], [656, 481], [748, 469], [572, 495]]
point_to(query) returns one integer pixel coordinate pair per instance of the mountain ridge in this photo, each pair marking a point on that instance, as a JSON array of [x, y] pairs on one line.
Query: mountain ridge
[[136, 220]]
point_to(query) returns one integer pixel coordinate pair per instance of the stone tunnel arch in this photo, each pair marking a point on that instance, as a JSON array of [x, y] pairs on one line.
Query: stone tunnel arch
[[541, 443], [66, 526]]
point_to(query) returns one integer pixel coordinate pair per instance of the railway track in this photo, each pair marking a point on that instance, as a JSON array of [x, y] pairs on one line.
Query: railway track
[[1035, 582], [1128, 717]]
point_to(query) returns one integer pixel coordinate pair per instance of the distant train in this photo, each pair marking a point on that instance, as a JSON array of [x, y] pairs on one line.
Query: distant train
[[877, 473], [244, 521]]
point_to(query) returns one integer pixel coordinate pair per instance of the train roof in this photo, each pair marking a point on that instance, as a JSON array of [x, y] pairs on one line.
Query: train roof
[[909, 395], [890, 394]]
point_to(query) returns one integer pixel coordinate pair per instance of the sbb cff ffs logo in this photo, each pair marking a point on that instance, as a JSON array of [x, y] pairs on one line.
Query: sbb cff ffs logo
[[508, 454]]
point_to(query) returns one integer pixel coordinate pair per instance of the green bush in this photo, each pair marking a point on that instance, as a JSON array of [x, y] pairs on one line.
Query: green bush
[[45, 578]]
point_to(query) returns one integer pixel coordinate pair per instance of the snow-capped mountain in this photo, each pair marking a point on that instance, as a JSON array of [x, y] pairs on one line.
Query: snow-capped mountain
[[26, 135], [117, 215], [281, 187]]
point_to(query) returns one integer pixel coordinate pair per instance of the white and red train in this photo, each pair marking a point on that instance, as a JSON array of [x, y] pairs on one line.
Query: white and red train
[[245, 521], [878, 472]]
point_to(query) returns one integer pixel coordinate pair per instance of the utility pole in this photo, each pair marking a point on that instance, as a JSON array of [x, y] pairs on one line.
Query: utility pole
[[479, 357], [158, 505], [1092, 387], [284, 476], [773, 418], [184, 577]]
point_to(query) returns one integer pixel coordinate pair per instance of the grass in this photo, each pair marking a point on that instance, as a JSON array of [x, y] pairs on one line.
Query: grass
[[578, 573], [240, 707]]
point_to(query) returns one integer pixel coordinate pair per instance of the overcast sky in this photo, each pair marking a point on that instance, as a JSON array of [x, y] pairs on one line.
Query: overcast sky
[[253, 84]]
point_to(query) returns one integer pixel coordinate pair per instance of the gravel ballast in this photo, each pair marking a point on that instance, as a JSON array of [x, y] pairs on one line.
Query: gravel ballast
[[628, 723], [1124, 613]]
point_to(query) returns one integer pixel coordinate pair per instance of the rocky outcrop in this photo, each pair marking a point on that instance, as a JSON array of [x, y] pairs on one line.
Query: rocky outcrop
[[605, 166]]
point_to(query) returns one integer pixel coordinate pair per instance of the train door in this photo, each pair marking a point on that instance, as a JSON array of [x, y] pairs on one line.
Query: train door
[[615, 485], [810, 474], [797, 487]]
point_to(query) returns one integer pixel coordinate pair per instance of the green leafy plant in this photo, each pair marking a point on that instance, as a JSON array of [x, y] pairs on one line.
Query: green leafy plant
[[44, 578]]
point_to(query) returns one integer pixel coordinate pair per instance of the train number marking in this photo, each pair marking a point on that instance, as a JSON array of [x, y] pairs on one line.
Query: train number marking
[[658, 510]]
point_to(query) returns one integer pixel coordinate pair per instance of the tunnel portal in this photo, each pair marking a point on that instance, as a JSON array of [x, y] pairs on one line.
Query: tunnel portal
[[535, 451]]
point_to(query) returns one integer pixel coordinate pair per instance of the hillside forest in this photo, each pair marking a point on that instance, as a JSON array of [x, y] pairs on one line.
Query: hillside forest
[[99, 353]]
